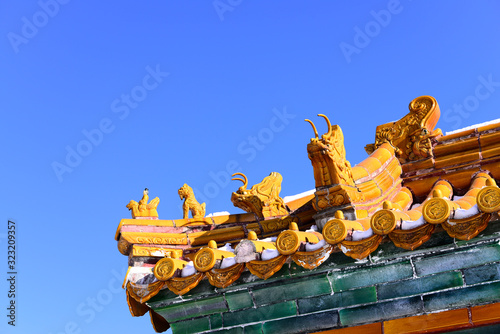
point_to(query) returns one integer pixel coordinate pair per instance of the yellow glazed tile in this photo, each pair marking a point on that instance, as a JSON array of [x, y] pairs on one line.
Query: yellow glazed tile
[[220, 235], [457, 135], [359, 172], [456, 147], [382, 154], [370, 164], [457, 158], [488, 127]]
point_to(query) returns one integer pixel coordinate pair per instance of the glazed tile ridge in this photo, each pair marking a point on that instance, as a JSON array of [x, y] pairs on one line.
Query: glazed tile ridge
[[415, 181]]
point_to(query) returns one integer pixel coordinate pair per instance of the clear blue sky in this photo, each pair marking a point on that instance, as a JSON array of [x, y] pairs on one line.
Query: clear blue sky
[[173, 93]]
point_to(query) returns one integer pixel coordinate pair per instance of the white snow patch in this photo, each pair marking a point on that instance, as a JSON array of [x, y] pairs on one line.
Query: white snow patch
[[221, 213], [270, 239], [456, 197], [473, 126], [312, 247], [227, 247], [320, 260], [360, 235], [227, 262], [313, 228], [411, 224], [159, 253], [188, 269], [364, 260], [268, 254], [461, 213], [287, 199], [416, 205]]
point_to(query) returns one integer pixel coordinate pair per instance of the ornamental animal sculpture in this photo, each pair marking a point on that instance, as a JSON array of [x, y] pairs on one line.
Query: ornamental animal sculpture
[[143, 208], [263, 198], [190, 203], [328, 156]]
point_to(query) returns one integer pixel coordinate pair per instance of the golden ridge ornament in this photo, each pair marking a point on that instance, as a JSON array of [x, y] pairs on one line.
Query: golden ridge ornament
[[334, 231], [190, 203], [206, 258], [332, 172], [412, 135], [263, 198], [222, 278], [411, 239], [289, 241], [143, 208], [362, 248], [467, 228], [488, 198], [181, 285], [383, 222], [267, 268], [165, 268], [328, 157]]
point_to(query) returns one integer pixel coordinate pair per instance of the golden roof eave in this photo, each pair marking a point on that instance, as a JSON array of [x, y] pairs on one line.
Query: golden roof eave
[[381, 190]]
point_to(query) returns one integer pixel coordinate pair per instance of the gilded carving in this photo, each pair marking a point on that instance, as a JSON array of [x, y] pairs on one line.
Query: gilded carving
[[144, 292], [467, 228], [155, 238], [334, 231], [287, 242], [167, 267], [360, 249], [277, 224], [412, 135], [190, 203], [266, 269], [142, 252], [156, 251], [164, 269], [488, 199], [411, 239], [181, 285], [328, 157], [436, 210], [204, 259], [263, 198], [336, 196], [143, 208], [311, 260], [383, 222], [222, 278]]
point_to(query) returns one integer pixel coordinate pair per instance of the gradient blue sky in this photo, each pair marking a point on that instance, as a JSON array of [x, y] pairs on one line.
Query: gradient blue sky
[[232, 83]]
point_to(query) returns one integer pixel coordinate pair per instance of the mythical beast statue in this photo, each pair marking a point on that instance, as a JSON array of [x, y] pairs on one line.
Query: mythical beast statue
[[190, 203], [143, 208], [335, 185], [328, 157], [412, 136], [263, 198]]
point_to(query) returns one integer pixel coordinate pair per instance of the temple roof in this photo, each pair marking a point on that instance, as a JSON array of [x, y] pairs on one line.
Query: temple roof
[[415, 182]]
